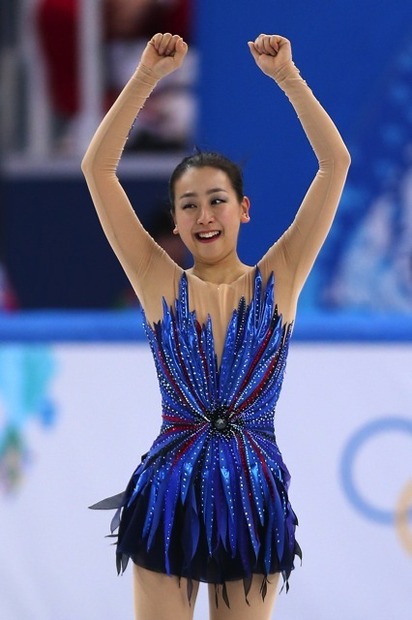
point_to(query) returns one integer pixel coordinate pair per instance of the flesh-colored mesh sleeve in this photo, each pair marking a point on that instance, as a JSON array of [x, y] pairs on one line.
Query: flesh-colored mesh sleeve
[[146, 265], [293, 255]]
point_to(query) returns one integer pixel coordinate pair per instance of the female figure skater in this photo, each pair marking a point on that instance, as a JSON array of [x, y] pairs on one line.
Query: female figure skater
[[209, 501]]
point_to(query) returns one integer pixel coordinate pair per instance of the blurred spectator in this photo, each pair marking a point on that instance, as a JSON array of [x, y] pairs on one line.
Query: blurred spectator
[[128, 24], [57, 25], [8, 300], [143, 18]]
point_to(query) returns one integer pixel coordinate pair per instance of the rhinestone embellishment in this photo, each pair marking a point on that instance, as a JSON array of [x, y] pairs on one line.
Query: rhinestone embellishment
[[220, 423]]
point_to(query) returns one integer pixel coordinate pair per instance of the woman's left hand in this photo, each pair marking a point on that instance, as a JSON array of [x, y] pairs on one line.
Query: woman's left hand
[[271, 52]]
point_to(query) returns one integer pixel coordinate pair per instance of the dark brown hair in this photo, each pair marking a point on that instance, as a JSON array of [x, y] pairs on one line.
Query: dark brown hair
[[202, 159]]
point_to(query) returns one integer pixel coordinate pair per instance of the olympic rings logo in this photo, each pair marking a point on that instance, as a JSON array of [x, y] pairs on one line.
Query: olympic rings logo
[[401, 516]]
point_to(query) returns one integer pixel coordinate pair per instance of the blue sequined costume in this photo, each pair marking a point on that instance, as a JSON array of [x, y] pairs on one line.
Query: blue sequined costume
[[209, 500]]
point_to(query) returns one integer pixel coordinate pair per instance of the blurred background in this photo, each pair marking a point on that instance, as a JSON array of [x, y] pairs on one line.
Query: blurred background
[[63, 64], [78, 396], [64, 61]]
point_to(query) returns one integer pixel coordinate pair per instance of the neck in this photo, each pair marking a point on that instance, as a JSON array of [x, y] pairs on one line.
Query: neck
[[224, 272]]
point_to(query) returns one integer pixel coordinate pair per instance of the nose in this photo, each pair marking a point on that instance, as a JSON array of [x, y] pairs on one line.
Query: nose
[[205, 215]]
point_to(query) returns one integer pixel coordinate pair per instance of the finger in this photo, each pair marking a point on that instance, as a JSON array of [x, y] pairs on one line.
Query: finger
[[268, 44], [267, 47], [155, 40], [274, 42], [263, 45], [253, 50], [282, 42], [171, 48], [259, 44], [164, 43], [181, 49]]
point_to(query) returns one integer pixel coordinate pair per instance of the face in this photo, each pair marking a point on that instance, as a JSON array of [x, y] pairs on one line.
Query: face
[[208, 213]]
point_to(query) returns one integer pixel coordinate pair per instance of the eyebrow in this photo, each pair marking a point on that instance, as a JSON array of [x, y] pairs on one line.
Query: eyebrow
[[209, 191]]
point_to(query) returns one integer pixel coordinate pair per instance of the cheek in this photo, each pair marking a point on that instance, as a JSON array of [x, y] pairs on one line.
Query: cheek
[[231, 220], [183, 226], [182, 221]]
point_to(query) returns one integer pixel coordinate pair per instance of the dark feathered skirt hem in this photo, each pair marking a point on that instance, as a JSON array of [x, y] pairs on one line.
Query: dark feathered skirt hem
[[220, 588], [216, 570]]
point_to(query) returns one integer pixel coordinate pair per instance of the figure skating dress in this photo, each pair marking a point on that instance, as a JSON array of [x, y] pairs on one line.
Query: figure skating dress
[[209, 500]]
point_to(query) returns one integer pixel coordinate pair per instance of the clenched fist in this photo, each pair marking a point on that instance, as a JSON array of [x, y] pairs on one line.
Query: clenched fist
[[271, 52], [163, 54]]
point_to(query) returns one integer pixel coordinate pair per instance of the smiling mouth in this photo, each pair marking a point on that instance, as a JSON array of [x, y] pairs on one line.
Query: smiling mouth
[[208, 235]]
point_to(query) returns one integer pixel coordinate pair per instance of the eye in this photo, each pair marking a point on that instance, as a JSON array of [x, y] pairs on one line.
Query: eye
[[188, 205], [217, 201]]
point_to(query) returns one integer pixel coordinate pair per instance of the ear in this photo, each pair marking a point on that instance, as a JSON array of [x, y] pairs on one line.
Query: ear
[[245, 206], [175, 230]]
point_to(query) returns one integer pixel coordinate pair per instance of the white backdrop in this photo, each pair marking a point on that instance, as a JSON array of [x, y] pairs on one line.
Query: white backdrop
[[343, 424]]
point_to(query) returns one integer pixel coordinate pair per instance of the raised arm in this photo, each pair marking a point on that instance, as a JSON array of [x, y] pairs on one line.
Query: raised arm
[[132, 245], [296, 250]]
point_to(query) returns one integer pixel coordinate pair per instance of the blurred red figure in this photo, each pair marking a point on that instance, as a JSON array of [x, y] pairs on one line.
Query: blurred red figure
[[57, 22], [140, 18], [124, 22], [8, 299]]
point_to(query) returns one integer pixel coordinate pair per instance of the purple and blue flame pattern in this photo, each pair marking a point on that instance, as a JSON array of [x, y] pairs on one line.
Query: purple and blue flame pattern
[[209, 500]]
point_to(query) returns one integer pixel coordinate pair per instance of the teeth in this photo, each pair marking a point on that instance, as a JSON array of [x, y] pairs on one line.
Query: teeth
[[208, 235]]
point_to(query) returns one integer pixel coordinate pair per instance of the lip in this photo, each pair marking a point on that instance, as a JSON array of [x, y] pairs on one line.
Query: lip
[[215, 234]]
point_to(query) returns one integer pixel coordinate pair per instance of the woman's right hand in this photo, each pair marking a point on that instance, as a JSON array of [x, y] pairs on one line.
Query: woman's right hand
[[163, 54]]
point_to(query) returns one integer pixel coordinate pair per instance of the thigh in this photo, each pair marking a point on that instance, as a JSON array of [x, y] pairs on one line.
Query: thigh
[[161, 597], [239, 609]]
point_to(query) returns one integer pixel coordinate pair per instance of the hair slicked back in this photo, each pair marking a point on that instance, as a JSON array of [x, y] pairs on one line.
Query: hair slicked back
[[210, 159]]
